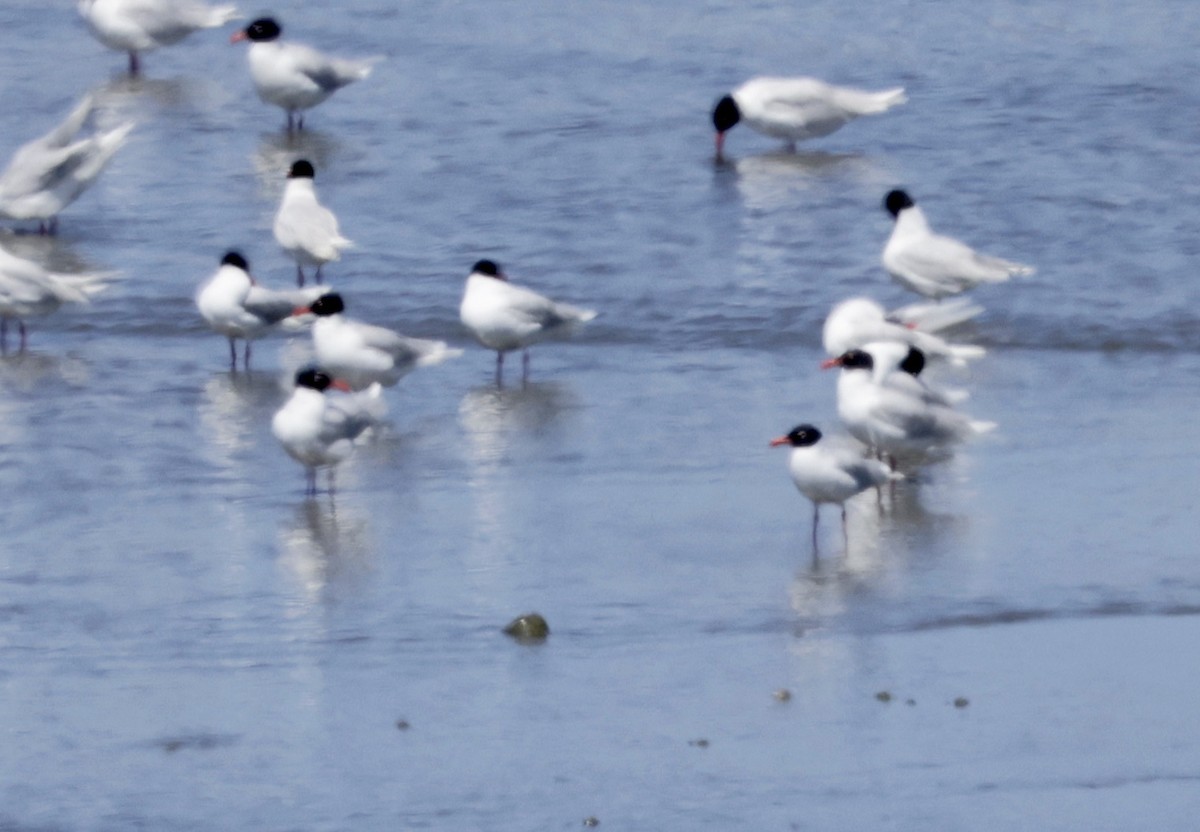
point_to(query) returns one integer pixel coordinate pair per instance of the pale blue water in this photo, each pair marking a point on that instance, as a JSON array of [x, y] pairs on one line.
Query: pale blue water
[[186, 643]]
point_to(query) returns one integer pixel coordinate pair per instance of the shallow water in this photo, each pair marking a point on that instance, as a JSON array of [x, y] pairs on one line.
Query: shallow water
[[186, 642]]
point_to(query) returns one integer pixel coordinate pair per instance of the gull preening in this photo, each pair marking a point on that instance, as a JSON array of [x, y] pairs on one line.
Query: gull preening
[[137, 26], [235, 306], [363, 354], [305, 229], [934, 265], [50, 172], [319, 429], [830, 473], [28, 290], [295, 76], [504, 317], [855, 322], [797, 109]]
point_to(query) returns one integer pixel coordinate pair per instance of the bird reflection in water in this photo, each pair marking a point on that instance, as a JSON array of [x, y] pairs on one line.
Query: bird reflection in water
[[233, 410], [770, 180], [28, 370], [324, 546], [125, 94], [494, 417], [496, 422], [889, 541]]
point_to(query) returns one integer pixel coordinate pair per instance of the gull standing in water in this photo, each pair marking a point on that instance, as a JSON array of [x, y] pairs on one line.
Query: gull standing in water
[[363, 354], [889, 417], [235, 306], [295, 76], [137, 26], [28, 290], [796, 109], [826, 473], [858, 321], [305, 229], [319, 430], [504, 317], [931, 264], [50, 172]]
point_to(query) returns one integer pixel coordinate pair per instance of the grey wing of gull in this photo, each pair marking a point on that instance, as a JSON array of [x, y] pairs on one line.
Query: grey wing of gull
[[346, 417], [272, 305], [544, 312], [334, 73], [402, 348], [866, 473], [36, 168]]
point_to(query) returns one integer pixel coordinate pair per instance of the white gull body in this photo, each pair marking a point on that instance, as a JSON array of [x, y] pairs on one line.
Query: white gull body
[[295, 76], [891, 419], [827, 472], [28, 290], [934, 265], [305, 229], [858, 321], [50, 172], [797, 109], [504, 317], [363, 354], [137, 26], [235, 306], [318, 428]]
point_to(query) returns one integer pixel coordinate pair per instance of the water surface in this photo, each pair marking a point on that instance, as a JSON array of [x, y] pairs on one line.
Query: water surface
[[187, 643]]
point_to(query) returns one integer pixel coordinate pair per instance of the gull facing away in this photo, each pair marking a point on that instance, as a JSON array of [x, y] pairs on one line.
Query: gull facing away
[[797, 109], [27, 290], [305, 229], [50, 172], [294, 76], [504, 317], [362, 354], [235, 306], [137, 26], [830, 473], [319, 429], [931, 264]]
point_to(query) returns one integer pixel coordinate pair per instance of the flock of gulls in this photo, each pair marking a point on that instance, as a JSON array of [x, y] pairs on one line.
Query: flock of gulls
[[900, 419], [897, 420], [337, 399]]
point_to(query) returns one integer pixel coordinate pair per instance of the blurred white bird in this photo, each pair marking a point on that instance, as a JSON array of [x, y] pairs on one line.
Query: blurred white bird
[[306, 230], [505, 317], [830, 473], [27, 290], [795, 109], [49, 173], [363, 354], [137, 26], [319, 429], [892, 420], [900, 366], [236, 307], [931, 264], [295, 76], [858, 321]]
